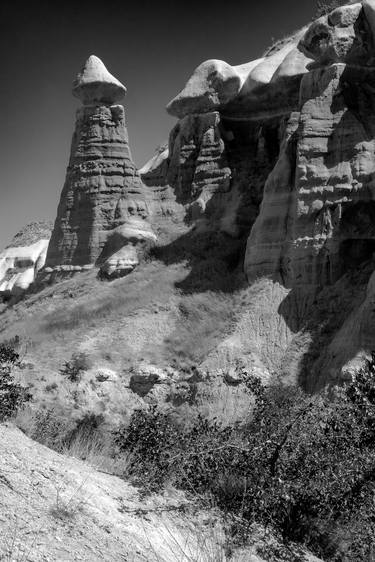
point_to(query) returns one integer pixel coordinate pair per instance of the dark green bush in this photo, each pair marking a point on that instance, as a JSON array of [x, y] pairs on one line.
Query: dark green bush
[[12, 395]]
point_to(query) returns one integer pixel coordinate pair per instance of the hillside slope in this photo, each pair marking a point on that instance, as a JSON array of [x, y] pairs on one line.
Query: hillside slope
[[58, 508]]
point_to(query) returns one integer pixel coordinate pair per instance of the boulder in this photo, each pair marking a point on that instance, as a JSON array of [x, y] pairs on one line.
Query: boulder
[[146, 377], [124, 246], [341, 36], [21, 261]]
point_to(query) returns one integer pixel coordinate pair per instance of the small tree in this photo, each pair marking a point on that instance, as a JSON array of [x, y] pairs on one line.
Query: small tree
[[12, 394]]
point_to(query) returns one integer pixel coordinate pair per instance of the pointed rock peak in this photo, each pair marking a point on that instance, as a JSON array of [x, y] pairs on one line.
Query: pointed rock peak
[[94, 84]]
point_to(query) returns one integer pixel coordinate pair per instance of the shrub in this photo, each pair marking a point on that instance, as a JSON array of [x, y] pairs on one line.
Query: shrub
[[302, 465], [12, 395], [162, 450], [73, 368], [150, 436]]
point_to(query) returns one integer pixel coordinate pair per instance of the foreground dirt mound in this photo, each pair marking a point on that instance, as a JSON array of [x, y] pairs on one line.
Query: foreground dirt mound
[[58, 508], [55, 508]]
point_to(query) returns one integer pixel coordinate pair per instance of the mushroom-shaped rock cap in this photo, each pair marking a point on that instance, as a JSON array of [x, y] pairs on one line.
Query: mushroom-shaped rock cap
[[213, 83], [94, 84]]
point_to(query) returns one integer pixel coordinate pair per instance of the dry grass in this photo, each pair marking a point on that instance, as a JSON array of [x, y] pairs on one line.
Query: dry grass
[[149, 286], [74, 439], [145, 316], [68, 503], [16, 546], [157, 315], [229, 406], [204, 319], [191, 541]]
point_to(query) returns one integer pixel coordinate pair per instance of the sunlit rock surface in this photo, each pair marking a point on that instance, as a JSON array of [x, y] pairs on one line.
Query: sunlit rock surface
[[23, 258], [318, 210], [102, 189]]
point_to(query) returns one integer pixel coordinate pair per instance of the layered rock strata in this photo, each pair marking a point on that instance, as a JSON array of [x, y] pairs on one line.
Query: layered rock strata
[[318, 211], [102, 191], [212, 172], [227, 139]]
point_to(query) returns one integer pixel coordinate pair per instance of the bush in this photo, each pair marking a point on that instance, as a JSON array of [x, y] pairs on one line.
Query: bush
[[73, 368], [12, 395], [151, 436], [303, 465]]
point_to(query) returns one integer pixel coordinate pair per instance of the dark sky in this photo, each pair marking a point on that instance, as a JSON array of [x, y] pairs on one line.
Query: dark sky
[[152, 47]]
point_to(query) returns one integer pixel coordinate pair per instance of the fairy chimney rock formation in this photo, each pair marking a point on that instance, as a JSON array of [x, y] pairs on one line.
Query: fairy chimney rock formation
[[103, 190], [95, 85]]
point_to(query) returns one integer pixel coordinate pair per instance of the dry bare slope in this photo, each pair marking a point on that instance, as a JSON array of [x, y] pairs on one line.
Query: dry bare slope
[[147, 322]]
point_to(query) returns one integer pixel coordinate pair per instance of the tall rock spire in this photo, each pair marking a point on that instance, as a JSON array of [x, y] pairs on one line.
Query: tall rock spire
[[103, 196]]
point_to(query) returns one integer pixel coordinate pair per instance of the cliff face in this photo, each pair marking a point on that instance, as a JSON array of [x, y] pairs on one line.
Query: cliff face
[[232, 120], [316, 220], [279, 152], [103, 206]]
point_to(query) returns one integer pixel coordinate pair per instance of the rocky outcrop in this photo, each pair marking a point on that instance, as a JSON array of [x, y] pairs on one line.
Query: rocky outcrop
[[212, 173], [291, 170], [198, 164], [23, 258], [261, 88], [226, 142], [103, 191], [270, 169], [317, 215]]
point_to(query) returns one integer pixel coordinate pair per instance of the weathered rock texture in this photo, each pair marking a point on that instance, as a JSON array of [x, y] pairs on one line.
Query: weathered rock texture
[[280, 152], [318, 210], [227, 140], [269, 84], [270, 170], [23, 258], [102, 191]]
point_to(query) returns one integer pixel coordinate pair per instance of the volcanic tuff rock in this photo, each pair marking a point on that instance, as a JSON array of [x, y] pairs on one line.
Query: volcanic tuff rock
[[102, 190], [23, 258], [317, 214], [280, 151], [227, 139], [267, 85], [269, 169], [95, 85]]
